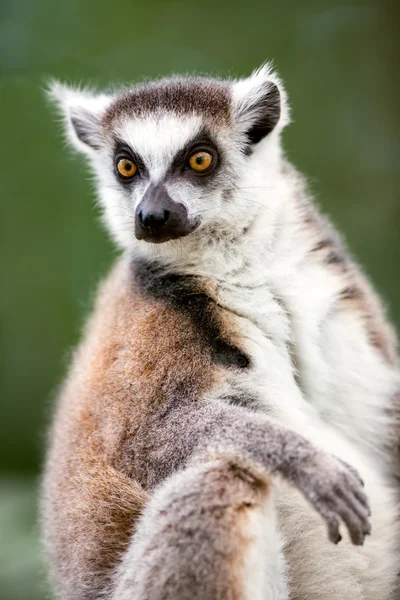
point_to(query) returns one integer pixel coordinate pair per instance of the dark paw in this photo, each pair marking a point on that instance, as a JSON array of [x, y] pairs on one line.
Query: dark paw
[[335, 489]]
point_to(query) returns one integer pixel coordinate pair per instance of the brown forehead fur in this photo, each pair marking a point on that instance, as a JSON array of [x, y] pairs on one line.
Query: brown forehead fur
[[209, 98], [137, 355]]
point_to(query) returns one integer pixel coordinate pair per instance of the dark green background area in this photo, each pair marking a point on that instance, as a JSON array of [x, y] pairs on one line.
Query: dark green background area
[[340, 62]]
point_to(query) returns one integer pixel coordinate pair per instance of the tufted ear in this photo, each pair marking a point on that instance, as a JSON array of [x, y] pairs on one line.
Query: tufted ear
[[82, 111], [260, 105]]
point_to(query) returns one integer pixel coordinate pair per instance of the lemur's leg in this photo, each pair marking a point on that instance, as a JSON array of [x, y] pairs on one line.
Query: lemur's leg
[[208, 533]]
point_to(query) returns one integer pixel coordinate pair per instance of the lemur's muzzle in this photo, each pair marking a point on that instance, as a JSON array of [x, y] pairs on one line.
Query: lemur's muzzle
[[159, 219]]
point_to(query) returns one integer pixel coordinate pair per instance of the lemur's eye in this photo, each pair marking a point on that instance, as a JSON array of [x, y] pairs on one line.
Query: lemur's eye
[[126, 168], [200, 161]]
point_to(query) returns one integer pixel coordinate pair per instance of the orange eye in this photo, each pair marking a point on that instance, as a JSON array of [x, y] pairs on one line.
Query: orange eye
[[126, 168], [200, 161]]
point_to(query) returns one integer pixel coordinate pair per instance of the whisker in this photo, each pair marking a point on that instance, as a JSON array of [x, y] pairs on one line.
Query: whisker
[[255, 187], [200, 212], [248, 199]]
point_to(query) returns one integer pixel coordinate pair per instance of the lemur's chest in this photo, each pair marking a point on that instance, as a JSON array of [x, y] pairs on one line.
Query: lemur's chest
[[260, 308], [281, 326], [256, 316], [286, 302]]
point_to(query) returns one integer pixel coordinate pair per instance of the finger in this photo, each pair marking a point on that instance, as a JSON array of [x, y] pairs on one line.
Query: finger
[[358, 493], [333, 530], [332, 522], [353, 471], [351, 498], [362, 498], [357, 528]]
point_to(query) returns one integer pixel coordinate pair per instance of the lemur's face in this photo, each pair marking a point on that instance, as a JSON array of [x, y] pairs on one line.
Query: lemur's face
[[170, 155]]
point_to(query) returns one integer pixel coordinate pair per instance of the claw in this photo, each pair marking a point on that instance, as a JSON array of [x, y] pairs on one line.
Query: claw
[[333, 530], [338, 539]]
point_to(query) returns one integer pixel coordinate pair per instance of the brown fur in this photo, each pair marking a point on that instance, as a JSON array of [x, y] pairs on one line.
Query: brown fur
[[359, 296]]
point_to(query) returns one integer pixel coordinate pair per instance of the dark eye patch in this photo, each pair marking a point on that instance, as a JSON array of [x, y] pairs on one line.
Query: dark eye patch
[[123, 150], [201, 143]]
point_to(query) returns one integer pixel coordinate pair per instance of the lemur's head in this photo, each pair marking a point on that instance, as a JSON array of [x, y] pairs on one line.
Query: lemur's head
[[177, 155]]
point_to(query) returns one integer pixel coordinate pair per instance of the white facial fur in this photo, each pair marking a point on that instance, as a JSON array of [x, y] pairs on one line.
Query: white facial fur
[[158, 135]]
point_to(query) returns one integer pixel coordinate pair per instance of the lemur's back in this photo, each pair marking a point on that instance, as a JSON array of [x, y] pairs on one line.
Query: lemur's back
[[233, 346]]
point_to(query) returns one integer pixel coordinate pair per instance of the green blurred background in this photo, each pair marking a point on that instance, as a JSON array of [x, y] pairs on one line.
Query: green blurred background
[[340, 61]]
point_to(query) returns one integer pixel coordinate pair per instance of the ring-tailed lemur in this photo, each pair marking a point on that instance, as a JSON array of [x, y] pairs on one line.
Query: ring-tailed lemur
[[240, 353]]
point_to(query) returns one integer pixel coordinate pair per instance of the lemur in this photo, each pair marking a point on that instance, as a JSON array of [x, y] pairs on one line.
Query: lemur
[[237, 378]]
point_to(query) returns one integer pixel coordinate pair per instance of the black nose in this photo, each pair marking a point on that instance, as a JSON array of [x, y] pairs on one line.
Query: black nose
[[159, 218], [154, 219]]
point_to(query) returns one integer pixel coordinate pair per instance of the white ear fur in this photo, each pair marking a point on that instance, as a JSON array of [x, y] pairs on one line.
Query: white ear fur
[[81, 110], [260, 98]]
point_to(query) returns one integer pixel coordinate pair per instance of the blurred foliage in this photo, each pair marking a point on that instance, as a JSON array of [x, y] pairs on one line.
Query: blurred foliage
[[340, 61], [22, 571]]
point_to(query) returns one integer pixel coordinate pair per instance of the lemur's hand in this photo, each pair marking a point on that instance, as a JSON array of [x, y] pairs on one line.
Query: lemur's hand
[[335, 489]]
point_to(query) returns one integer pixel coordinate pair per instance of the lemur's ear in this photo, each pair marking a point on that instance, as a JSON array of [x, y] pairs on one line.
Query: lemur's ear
[[82, 111], [260, 104]]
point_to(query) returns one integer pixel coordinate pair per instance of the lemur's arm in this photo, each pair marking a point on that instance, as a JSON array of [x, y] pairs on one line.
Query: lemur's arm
[[186, 430], [196, 536]]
